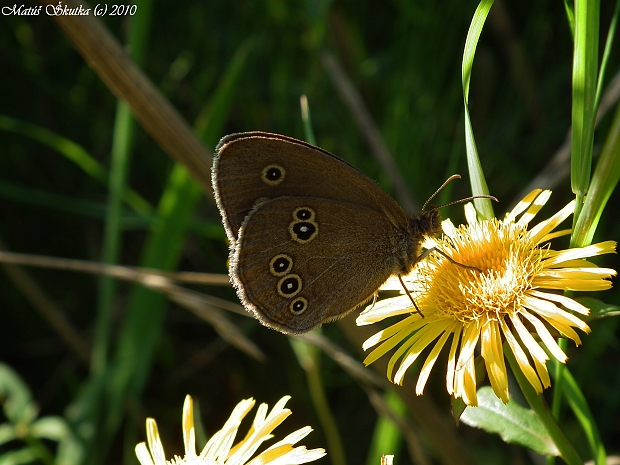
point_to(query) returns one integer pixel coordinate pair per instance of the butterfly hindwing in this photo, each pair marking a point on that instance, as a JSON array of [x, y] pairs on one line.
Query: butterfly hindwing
[[300, 261]]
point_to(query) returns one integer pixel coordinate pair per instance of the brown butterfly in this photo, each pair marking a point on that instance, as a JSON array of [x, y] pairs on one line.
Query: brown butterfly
[[311, 238]]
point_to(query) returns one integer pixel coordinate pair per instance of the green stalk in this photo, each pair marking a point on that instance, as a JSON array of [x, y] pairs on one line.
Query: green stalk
[[540, 407], [308, 357], [387, 437], [578, 404]]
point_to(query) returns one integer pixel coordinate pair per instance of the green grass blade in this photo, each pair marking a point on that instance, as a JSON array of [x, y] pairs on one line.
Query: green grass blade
[[611, 34], [75, 154], [209, 125], [580, 408], [308, 357], [570, 16], [146, 311], [585, 73], [387, 438], [604, 181], [306, 119], [122, 148], [478, 182]]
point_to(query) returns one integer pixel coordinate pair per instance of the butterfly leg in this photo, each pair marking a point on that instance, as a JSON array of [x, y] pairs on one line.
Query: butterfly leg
[[417, 309], [454, 262]]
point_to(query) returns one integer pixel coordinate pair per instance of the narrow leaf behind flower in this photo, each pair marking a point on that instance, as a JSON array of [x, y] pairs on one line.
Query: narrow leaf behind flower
[[604, 181], [478, 182], [581, 410], [585, 74], [515, 424]]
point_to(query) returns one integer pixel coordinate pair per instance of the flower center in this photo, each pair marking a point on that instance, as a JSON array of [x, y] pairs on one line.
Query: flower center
[[507, 261]]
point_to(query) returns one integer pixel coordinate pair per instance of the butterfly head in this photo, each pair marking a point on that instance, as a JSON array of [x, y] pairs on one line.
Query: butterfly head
[[426, 224]]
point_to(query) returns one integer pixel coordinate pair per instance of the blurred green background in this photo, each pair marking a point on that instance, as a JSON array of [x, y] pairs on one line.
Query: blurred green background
[[404, 59]]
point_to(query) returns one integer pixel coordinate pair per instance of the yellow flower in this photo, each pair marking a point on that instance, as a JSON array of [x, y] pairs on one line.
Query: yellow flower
[[220, 450], [502, 301]]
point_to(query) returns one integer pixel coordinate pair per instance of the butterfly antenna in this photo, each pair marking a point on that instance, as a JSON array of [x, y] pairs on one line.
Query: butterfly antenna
[[451, 178], [467, 199]]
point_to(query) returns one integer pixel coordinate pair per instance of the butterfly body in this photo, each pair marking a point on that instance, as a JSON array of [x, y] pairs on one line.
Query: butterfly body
[[311, 237]]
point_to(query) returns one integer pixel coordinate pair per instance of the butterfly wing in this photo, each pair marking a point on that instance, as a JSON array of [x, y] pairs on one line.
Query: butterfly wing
[[252, 167], [301, 261]]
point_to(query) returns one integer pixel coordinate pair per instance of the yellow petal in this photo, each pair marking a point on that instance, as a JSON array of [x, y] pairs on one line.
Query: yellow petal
[[534, 208], [554, 314], [578, 273], [285, 454], [545, 227], [547, 264], [219, 445], [450, 380], [400, 353], [426, 335], [189, 438], [521, 206], [465, 386], [142, 452], [429, 363], [546, 337], [491, 351], [408, 325], [384, 348], [556, 234], [470, 339], [567, 302], [521, 357], [543, 374], [582, 252], [386, 308], [530, 343], [564, 284]]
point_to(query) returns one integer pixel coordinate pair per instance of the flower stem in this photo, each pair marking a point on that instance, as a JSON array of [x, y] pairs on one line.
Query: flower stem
[[540, 407]]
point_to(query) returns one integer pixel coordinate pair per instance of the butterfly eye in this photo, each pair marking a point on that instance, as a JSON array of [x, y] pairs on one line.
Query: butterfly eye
[[280, 264], [303, 214], [289, 286], [304, 231], [298, 306], [273, 175]]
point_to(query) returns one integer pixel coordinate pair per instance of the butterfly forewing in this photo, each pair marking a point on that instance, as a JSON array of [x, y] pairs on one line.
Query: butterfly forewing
[[250, 168]]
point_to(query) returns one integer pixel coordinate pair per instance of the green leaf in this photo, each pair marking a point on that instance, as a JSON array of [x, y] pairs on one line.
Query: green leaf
[[69, 450], [515, 424], [16, 397], [598, 308], [17, 457]]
